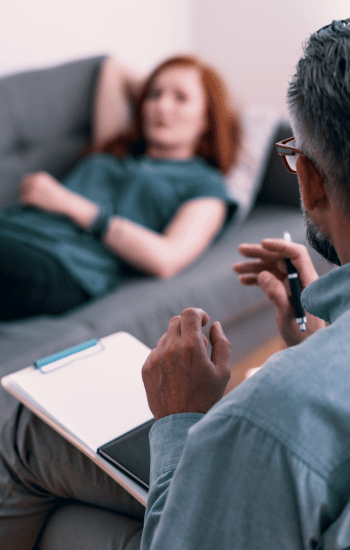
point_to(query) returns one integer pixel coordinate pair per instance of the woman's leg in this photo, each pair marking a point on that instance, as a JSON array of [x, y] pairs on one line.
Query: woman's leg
[[40, 471], [33, 283]]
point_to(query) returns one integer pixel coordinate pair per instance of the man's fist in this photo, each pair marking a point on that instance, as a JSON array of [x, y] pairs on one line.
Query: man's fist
[[178, 374]]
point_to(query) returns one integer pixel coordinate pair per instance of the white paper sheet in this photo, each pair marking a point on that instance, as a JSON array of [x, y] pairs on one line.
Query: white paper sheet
[[97, 394]]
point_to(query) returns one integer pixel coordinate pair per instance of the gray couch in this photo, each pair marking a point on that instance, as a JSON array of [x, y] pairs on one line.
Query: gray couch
[[45, 121]]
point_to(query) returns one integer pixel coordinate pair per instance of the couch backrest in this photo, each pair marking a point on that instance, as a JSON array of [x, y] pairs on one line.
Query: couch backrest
[[278, 185], [45, 121]]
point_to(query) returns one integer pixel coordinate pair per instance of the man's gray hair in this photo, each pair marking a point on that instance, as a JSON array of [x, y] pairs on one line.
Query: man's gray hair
[[319, 104]]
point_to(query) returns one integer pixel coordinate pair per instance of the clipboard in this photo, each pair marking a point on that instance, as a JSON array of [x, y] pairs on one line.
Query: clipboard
[[93, 395]]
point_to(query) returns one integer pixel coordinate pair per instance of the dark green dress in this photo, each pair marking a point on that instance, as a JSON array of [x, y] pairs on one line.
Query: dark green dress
[[144, 190]]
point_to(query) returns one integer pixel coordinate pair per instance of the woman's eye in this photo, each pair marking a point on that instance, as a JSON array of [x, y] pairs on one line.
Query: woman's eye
[[181, 97]]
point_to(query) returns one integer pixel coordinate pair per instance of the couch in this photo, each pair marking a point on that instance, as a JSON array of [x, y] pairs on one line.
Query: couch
[[47, 117]]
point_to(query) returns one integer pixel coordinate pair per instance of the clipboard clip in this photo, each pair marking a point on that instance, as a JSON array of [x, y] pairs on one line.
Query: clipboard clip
[[66, 357]]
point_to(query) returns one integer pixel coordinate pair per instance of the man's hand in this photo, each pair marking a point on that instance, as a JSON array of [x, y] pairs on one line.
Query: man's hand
[[268, 271], [178, 374], [45, 192]]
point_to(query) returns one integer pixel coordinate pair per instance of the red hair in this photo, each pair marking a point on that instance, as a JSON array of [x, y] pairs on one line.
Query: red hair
[[219, 145]]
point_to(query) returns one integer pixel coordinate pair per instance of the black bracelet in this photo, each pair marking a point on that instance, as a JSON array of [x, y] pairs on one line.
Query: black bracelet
[[99, 225]]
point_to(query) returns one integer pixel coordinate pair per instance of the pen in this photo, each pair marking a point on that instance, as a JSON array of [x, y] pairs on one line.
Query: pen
[[295, 289]]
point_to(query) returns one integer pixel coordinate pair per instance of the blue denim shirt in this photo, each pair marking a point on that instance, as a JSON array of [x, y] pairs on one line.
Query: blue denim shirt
[[268, 467]]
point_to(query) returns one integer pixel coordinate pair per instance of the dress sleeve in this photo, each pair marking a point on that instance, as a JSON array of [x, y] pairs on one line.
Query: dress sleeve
[[209, 183], [230, 484]]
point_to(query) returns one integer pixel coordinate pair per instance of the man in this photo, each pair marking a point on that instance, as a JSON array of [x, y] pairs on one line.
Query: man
[[267, 466]]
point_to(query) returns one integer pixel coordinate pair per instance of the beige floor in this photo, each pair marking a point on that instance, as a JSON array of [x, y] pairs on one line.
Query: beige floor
[[254, 360]]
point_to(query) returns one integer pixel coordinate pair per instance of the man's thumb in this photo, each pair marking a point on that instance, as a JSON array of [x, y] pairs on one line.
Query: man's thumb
[[221, 348]]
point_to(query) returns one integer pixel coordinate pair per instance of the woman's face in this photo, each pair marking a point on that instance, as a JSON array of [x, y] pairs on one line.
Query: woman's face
[[174, 113]]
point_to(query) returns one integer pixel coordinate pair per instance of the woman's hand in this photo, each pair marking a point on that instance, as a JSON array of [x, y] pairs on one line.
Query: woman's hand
[[45, 192], [268, 271]]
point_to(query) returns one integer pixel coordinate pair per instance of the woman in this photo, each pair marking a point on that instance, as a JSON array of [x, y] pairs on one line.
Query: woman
[[151, 200]]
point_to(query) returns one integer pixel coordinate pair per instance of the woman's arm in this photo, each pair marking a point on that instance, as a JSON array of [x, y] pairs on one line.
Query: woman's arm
[[187, 235], [111, 112]]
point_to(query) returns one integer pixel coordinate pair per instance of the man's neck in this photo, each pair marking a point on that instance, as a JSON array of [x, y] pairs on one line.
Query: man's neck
[[340, 234]]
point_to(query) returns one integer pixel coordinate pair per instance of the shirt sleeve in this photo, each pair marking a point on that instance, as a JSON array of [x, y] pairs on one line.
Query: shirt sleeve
[[226, 483], [210, 183]]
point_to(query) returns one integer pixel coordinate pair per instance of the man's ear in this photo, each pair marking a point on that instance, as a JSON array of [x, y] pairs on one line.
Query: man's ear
[[311, 183]]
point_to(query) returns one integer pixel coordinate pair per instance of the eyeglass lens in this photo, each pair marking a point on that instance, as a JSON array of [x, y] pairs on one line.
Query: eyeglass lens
[[292, 159]]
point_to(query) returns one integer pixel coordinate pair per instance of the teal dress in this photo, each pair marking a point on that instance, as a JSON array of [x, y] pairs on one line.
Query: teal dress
[[146, 191]]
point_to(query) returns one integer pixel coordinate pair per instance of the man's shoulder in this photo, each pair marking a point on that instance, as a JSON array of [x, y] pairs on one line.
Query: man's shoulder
[[299, 398]]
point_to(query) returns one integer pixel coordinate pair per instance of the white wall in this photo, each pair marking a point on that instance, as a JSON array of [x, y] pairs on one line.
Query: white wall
[[38, 33], [256, 44]]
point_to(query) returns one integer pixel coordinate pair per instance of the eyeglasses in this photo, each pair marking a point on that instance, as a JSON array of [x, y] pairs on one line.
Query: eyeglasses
[[288, 153]]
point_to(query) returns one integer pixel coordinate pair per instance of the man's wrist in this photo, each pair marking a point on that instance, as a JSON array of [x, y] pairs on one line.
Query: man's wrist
[[167, 440]]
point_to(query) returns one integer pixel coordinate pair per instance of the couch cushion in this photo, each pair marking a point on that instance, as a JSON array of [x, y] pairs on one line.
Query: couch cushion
[[260, 124]]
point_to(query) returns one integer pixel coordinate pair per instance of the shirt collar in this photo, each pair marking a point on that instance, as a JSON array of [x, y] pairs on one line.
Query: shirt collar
[[329, 296]]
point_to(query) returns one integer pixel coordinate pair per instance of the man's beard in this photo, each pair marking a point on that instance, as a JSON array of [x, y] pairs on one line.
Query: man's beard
[[319, 242]]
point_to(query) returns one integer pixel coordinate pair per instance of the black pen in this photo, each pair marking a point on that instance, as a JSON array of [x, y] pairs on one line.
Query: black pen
[[295, 289]]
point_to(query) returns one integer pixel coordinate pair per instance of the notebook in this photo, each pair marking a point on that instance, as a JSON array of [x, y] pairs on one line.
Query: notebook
[[93, 395]]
